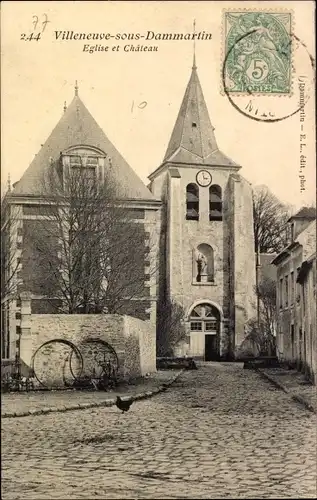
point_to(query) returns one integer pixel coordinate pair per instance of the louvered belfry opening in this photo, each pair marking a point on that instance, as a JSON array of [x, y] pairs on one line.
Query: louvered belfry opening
[[215, 203], [192, 202]]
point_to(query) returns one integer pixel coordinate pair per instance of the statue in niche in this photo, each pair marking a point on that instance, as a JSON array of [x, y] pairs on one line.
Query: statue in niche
[[201, 266]]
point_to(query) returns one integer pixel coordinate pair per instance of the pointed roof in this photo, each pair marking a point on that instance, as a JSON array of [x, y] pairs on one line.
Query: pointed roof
[[78, 127], [193, 140]]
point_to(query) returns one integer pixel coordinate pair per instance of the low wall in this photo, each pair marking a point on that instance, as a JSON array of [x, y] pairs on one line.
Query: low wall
[[133, 340], [145, 334]]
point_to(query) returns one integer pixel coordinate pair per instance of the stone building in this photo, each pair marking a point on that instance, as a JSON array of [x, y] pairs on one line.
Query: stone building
[[197, 208], [77, 144], [296, 294], [207, 261]]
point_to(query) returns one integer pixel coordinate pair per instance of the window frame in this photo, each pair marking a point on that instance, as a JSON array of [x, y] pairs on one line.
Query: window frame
[[215, 205], [193, 329], [286, 290], [190, 204]]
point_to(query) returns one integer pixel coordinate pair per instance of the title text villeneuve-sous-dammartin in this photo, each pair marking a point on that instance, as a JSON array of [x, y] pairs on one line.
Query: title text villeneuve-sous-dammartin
[[147, 36]]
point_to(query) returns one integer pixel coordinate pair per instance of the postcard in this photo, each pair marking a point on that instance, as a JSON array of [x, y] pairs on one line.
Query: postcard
[[158, 233]]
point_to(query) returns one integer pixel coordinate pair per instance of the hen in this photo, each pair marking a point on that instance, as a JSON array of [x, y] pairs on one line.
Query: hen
[[123, 405]]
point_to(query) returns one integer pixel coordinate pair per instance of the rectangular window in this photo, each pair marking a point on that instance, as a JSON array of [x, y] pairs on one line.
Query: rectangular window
[[281, 293], [298, 287], [292, 288], [286, 291], [211, 326], [196, 326]]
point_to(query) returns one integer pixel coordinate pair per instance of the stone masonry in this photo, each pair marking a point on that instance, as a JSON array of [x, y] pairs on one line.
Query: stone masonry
[[219, 432], [132, 339]]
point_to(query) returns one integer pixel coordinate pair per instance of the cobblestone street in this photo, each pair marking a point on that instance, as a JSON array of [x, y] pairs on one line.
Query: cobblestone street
[[219, 432]]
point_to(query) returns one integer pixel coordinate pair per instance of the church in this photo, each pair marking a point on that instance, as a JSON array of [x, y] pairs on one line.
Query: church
[[197, 208]]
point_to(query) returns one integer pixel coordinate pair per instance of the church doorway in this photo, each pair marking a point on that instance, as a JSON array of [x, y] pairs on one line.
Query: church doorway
[[211, 348], [205, 332]]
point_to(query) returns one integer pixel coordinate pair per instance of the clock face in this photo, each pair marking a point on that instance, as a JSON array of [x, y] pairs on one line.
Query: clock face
[[203, 178]]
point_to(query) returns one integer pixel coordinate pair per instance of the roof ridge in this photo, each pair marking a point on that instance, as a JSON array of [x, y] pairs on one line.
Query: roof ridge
[[77, 127]]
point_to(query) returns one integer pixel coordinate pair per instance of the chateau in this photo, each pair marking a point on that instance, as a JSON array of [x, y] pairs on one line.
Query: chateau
[[196, 213]]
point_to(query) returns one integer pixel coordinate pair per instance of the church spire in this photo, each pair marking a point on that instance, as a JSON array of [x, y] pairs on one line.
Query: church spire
[[193, 139], [193, 135], [76, 88], [194, 54]]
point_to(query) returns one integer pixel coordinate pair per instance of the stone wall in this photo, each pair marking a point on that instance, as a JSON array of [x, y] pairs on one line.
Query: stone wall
[[232, 240], [184, 236], [137, 280], [142, 331], [132, 339], [288, 316], [242, 266]]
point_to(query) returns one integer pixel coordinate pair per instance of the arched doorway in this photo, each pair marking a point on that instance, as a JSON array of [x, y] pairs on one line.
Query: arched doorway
[[205, 321]]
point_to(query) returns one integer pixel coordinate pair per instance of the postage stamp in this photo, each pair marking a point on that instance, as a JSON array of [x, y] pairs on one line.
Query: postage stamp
[[258, 52]]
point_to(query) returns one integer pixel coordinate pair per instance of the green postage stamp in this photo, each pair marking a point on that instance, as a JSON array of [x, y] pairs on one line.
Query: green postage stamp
[[258, 52]]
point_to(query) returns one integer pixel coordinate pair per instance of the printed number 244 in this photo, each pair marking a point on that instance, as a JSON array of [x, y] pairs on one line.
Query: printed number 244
[[28, 38]]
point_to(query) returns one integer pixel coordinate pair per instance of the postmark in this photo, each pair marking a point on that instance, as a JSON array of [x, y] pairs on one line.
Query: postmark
[[258, 52], [265, 106]]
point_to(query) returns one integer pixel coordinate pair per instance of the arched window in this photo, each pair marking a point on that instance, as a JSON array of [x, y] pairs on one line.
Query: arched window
[[203, 265], [215, 203], [204, 318], [82, 164], [192, 202]]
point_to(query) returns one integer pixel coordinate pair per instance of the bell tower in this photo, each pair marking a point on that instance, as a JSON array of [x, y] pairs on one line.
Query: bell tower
[[206, 204]]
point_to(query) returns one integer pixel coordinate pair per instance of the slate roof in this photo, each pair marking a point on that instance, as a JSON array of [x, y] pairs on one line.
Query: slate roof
[[78, 127], [193, 140], [307, 235], [305, 213]]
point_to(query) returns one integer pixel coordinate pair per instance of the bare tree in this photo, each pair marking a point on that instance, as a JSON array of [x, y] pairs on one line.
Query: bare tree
[[261, 331], [270, 221], [171, 328], [85, 251], [266, 292]]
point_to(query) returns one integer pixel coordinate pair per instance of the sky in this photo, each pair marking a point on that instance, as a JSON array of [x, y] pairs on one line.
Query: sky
[[39, 75]]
